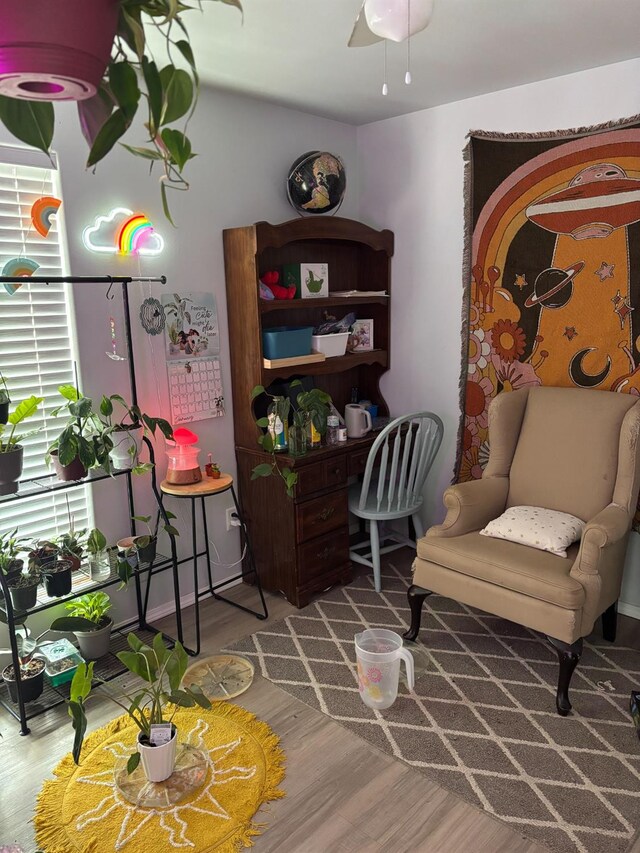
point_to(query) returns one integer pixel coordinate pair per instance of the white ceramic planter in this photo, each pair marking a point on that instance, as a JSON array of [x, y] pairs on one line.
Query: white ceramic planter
[[158, 761], [126, 448]]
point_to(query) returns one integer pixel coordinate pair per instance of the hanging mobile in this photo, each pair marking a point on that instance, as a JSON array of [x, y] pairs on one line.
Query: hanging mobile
[[113, 355]]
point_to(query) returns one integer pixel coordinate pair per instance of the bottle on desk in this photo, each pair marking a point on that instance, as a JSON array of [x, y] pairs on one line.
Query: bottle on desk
[[314, 439], [333, 427], [278, 428]]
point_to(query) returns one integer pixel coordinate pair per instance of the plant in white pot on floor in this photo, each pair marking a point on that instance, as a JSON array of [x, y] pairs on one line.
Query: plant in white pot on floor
[[161, 669], [89, 621]]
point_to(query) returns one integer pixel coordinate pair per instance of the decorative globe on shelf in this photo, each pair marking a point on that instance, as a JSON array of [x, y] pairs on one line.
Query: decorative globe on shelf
[[317, 182]]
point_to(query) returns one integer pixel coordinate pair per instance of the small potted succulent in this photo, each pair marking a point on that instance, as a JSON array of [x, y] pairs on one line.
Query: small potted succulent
[[88, 620], [162, 670], [57, 578], [31, 668], [11, 449], [146, 545]]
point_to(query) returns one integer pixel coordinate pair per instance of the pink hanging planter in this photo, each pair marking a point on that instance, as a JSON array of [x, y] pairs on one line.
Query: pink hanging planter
[[55, 50]]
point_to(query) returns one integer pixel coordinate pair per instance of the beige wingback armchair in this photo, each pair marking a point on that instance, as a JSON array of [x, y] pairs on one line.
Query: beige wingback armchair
[[568, 449]]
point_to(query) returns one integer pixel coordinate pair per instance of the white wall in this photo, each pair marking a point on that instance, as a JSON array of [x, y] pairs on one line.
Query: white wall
[[411, 180], [245, 148]]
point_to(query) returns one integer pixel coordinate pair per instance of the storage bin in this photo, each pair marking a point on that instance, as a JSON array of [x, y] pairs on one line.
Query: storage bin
[[330, 345], [61, 661], [286, 341]]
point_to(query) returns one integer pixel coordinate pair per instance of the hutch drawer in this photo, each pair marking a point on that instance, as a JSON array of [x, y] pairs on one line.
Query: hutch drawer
[[321, 475], [320, 515], [320, 555], [358, 461]]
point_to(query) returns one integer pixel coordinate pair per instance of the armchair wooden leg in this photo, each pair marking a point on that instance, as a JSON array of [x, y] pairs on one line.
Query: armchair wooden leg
[[610, 622], [416, 596], [568, 657]]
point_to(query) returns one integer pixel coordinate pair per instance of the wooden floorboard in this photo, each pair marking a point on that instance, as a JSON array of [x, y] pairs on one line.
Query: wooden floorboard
[[343, 795]]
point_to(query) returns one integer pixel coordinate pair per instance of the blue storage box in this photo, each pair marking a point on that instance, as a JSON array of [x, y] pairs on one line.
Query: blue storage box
[[286, 341]]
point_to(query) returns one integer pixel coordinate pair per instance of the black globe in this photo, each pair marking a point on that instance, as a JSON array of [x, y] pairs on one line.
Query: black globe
[[316, 183]]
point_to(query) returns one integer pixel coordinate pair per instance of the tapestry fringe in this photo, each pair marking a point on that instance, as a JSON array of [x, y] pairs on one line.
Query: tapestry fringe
[[467, 156], [52, 837], [604, 126]]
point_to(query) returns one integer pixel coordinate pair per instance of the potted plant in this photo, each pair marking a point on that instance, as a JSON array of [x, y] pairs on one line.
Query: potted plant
[[98, 557], [11, 450], [80, 446], [23, 589], [5, 399], [31, 668], [88, 620], [10, 546], [311, 409], [43, 554], [72, 545], [162, 671], [124, 432], [146, 545], [110, 72], [57, 578]]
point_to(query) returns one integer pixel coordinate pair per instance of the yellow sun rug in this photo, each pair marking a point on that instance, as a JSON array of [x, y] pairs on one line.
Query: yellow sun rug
[[82, 811]]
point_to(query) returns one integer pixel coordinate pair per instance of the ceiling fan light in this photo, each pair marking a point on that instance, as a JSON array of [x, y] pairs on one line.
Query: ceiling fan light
[[394, 20]]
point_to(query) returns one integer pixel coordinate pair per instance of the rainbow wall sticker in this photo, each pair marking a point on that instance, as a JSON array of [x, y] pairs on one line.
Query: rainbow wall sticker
[[123, 232], [41, 212], [23, 267]]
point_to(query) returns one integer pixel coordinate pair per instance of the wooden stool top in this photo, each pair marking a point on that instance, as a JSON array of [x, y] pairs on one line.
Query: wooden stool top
[[206, 486]]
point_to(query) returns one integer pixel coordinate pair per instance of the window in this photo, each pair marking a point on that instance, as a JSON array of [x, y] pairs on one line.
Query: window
[[36, 339]]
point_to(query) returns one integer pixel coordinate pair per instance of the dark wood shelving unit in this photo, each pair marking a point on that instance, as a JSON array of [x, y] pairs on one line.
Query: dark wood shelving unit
[[302, 545]]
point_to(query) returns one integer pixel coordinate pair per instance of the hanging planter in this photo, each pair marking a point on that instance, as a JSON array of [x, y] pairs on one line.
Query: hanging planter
[[126, 448], [55, 51]]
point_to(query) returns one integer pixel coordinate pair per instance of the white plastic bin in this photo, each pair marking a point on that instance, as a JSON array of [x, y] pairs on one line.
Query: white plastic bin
[[330, 345]]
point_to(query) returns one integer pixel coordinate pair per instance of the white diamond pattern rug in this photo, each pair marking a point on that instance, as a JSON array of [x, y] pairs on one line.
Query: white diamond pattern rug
[[482, 718]]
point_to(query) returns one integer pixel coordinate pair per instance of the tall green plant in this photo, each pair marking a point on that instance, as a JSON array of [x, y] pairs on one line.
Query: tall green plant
[[132, 78], [25, 409]]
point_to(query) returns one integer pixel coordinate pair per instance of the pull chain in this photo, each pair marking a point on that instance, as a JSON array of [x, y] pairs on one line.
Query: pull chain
[[407, 76], [385, 88]]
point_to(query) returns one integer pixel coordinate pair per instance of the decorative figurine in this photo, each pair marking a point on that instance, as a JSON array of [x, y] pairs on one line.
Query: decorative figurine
[[212, 469]]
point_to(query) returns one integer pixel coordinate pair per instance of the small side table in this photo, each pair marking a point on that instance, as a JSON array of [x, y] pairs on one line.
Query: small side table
[[199, 491]]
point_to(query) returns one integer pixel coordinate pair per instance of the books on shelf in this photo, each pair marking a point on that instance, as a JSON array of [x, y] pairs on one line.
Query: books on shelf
[[347, 293]]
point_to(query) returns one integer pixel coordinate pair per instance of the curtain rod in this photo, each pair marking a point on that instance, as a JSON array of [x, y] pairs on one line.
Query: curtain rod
[[79, 279]]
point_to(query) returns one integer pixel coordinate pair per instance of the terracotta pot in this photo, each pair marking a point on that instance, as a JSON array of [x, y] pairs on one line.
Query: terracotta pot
[[55, 51], [10, 470], [75, 470], [31, 681]]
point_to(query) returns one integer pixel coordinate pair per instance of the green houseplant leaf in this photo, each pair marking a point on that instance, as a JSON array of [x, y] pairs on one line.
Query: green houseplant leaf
[[29, 121]]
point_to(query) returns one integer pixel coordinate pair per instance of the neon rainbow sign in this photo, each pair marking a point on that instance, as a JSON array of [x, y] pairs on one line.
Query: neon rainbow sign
[[123, 232]]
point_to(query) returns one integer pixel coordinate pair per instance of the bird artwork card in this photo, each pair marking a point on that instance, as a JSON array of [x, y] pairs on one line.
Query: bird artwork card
[[551, 272], [314, 280]]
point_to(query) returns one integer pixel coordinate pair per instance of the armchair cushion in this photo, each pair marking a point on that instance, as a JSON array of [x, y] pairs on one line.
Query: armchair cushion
[[537, 574], [544, 529]]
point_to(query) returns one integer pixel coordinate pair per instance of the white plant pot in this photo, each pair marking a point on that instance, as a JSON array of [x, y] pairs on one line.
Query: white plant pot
[[158, 761], [126, 449]]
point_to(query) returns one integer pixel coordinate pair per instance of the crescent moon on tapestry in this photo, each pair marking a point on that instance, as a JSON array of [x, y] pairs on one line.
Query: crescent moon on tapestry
[[578, 374]]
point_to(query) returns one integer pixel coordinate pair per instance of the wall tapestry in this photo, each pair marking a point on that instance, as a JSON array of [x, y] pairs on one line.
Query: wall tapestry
[[552, 269]]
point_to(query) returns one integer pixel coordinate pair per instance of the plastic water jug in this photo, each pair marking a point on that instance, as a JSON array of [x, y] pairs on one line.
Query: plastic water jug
[[379, 653]]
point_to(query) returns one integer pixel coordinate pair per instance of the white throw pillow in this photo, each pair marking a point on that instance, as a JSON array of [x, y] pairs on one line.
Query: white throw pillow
[[536, 527]]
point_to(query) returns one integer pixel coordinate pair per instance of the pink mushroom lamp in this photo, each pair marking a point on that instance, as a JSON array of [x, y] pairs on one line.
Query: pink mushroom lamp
[[184, 468]]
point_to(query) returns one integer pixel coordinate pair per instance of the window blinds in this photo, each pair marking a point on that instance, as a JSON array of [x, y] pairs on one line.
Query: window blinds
[[36, 349]]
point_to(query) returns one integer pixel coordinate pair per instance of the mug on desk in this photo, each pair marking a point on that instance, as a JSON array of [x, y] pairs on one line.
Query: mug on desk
[[358, 420]]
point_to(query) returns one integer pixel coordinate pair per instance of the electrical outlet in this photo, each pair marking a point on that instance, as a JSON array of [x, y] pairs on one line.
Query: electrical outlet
[[232, 518]]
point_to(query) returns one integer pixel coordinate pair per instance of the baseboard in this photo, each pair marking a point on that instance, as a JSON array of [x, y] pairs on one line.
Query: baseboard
[[629, 609]]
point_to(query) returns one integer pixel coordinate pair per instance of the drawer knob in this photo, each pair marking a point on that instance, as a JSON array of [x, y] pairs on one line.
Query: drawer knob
[[326, 552], [326, 513], [337, 471]]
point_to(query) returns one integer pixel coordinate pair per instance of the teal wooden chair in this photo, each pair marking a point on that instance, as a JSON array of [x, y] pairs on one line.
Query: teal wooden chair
[[391, 488]]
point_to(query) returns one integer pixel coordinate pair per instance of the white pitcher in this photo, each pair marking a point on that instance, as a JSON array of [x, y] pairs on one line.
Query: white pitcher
[[357, 420], [379, 652]]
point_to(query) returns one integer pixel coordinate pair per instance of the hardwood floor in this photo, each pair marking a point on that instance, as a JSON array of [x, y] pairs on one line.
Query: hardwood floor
[[342, 794]]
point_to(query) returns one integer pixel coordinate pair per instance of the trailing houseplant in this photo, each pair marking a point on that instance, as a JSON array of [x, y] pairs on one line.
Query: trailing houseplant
[[311, 407], [161, 670], [81, 445], [146, 544], [11, 450], [120, 430], [89, 621], [131, 78]]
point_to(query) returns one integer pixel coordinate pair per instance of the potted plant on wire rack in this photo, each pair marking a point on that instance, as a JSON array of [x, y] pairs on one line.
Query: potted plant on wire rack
[[124, 433], [5, 399], [89, 621], [31, 668], [11, 449], [23, 589], [96, 53], [81, 445], [146, 545], [11, 545], [161, 670], [99, 565]]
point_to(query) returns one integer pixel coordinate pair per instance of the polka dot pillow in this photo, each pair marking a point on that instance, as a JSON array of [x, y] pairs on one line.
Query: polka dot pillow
[[536, 527]]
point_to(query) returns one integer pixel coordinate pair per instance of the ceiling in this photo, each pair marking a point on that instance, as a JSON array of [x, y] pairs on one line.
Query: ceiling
[[294, 52]]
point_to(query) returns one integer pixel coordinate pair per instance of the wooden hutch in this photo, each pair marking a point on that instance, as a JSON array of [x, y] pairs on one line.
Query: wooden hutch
[[301, 545]]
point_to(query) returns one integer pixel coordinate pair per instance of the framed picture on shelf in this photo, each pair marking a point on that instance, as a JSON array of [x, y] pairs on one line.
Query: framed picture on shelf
[[361, 338], [314, 281]]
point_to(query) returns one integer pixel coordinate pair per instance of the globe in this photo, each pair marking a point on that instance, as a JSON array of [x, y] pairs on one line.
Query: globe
[[316, 183]]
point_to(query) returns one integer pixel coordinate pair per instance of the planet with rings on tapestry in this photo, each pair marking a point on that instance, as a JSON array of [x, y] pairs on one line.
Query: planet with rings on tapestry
[[553, 287]]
